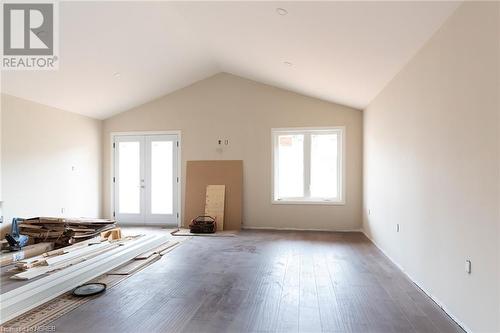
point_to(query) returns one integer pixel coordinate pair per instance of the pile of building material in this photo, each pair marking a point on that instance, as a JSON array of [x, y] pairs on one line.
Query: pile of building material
[[8, 257], [58, 271], [64, 231], [50, 311]]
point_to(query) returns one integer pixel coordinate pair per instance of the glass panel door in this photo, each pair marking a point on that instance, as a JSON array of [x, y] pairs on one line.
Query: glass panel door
[[146, 179], [128, 180], [161, 179]]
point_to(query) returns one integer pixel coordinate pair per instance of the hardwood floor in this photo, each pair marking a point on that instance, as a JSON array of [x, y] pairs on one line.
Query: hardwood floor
[[265, 282]]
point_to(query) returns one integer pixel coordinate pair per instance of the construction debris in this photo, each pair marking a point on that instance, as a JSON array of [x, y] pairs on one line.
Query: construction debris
[[64, 231], [8, 258], [63, 272], [112, 234], [134, 265], [158, 250], [57, 307]]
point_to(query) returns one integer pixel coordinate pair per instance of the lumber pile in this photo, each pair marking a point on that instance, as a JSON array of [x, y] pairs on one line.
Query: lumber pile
[[57, 272], [64, 231], [59, 259]]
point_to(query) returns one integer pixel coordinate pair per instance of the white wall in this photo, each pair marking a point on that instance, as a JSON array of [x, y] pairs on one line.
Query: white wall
[[51, 159], [244, 111], [431, 164]]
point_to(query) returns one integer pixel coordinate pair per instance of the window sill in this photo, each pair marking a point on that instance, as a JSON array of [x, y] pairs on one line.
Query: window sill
[[308, 202]]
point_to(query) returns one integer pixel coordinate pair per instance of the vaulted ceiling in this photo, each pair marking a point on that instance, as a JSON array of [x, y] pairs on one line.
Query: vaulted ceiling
[[117, 55]]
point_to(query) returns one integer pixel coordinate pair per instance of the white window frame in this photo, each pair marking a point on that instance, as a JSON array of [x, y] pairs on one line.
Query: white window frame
[[307, 131]]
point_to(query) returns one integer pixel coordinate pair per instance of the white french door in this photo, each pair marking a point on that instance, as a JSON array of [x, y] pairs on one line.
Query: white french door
[[146, 179]]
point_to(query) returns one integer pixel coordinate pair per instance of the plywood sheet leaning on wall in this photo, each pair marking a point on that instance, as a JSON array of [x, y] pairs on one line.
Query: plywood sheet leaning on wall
[[214, 204], [200, 174]]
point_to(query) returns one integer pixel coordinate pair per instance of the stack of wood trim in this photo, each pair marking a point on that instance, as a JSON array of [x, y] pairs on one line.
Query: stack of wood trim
[[64, 231], [75, 272], [36, 267], [40, 260]]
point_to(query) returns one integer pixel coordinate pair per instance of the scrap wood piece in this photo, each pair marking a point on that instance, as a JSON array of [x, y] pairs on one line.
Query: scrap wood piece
[[167, 250], [26, 252], [54, 253], [30, 226], [214, 204], [135, 265], [112, 234], [159, 249]]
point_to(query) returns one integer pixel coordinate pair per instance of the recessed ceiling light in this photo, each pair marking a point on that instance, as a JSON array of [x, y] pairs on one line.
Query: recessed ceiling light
[[281, 11], [288, 63], [117, 75]]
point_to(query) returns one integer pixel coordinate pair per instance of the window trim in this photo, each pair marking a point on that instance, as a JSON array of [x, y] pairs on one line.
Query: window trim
[[341, 130]]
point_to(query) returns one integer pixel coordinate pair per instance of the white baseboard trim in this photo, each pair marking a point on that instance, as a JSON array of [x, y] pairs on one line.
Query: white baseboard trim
[[420, 286], [245, 227]]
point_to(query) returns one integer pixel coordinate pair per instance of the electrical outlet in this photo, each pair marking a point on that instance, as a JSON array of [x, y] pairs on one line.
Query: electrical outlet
[[397, 227], [62, 210], [468, 266], [369, 212]]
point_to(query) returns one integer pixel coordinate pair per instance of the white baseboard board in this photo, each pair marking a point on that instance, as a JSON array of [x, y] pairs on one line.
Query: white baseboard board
[[420, 286], [245, 227]]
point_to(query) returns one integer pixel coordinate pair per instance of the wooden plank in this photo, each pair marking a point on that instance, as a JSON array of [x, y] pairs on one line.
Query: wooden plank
[[214, 204], [30, 226], [135, 265], [112, 234], [26, 252], [159, 249], [170, 248], [199, 174]]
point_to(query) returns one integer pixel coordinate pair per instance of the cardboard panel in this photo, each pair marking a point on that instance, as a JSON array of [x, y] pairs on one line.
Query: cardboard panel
[[200, 174]]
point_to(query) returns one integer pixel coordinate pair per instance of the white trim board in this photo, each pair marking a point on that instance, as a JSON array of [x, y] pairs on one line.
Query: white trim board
[[298, 229], [420, 286], [31, 295]]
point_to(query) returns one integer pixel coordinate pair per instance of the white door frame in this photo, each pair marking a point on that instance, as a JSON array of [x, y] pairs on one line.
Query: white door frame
[[179, 164]]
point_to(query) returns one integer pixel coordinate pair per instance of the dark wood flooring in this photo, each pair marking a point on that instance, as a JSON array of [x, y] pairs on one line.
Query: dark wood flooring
[[265, 282]]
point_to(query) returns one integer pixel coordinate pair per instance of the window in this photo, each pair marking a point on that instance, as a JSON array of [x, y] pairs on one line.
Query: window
[[308, 165]]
